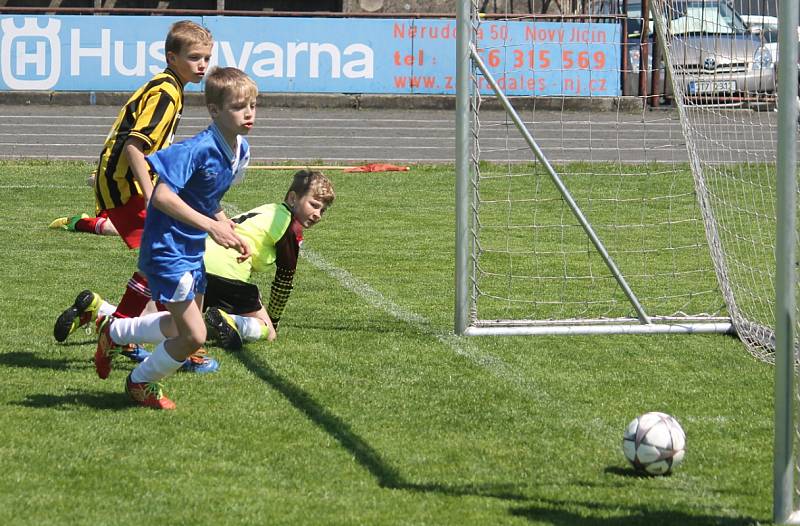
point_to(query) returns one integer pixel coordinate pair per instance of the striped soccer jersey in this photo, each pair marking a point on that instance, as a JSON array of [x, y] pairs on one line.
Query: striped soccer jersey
[[151, 114]]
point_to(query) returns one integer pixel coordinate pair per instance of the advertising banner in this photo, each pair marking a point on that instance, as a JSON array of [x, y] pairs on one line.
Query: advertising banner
[[312, 55]]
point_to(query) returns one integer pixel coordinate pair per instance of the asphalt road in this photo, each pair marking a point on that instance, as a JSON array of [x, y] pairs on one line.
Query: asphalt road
[[347, 136]]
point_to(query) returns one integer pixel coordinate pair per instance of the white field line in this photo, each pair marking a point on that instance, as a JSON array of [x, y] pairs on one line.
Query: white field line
[[38, 186], [184, 118], [322, 147], [371, 137], [265, 159], [337, 122], [460, 346]]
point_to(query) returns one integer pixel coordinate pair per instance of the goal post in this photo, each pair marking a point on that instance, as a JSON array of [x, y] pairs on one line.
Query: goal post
[[463, 162], [785, 463]]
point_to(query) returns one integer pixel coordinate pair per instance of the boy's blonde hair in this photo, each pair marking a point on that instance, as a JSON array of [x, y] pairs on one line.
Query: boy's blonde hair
[[313, 183], [186, 33], [226, 82]]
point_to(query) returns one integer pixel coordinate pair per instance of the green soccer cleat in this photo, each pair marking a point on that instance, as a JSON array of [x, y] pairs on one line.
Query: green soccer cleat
[[72, 221], [82, 311], [59, 223], [222, 326]]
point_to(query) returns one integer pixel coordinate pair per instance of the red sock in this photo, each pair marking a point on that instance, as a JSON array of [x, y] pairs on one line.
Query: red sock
[[135, 299], [88, 224]]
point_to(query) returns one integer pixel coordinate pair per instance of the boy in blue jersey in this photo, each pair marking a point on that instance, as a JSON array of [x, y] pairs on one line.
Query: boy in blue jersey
[[274, 232], [184, 209], [123, 186]]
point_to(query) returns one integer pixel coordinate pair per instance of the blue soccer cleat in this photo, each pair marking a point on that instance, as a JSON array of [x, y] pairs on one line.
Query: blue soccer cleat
[[200, 363], [135, 353]]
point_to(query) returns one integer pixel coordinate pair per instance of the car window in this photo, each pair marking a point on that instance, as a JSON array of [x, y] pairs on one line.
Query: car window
[[692, 16], [699, 20], [707, 17]]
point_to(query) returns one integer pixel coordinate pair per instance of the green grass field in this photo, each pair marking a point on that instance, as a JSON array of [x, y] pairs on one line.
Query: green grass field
[[366, 410]]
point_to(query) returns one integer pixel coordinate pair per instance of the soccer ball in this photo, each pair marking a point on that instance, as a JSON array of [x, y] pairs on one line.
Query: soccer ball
[[654, 443]]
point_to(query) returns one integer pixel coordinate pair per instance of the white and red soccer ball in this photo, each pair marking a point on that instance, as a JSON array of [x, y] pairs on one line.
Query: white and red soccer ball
[[654, 443]]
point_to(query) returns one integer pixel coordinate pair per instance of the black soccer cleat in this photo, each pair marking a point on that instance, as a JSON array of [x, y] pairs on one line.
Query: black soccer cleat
[[222, 326], [82, 311]]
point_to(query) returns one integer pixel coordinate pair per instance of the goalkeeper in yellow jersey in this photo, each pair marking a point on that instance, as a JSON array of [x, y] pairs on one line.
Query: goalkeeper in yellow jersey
[[235, 312]]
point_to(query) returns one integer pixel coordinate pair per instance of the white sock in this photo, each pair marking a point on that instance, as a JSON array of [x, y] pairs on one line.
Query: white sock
[[157, 366], [144, 329], [106, 309], [98, 227], [249, 328]]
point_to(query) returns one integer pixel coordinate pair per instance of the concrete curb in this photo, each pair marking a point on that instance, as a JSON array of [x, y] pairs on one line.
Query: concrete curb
[[335, 101]]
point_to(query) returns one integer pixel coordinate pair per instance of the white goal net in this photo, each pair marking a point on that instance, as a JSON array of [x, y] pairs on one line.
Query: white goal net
[[661, 131]]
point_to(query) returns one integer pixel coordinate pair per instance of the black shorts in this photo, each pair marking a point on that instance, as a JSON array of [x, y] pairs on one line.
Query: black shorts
[[231, 295]]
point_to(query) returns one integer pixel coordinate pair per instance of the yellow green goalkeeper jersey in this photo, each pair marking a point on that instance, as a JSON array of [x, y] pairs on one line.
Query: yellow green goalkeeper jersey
[[262, 228]]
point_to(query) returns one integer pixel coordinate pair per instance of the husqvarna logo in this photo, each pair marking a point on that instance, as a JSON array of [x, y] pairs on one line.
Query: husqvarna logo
[[31, 54], [710, 64]]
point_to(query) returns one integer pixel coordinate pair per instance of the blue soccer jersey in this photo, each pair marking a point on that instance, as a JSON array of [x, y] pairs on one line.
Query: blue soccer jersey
[[199, 170]]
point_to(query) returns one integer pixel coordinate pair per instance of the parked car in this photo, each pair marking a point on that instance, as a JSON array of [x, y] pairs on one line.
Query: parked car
[[766, 27], [714, 55]]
